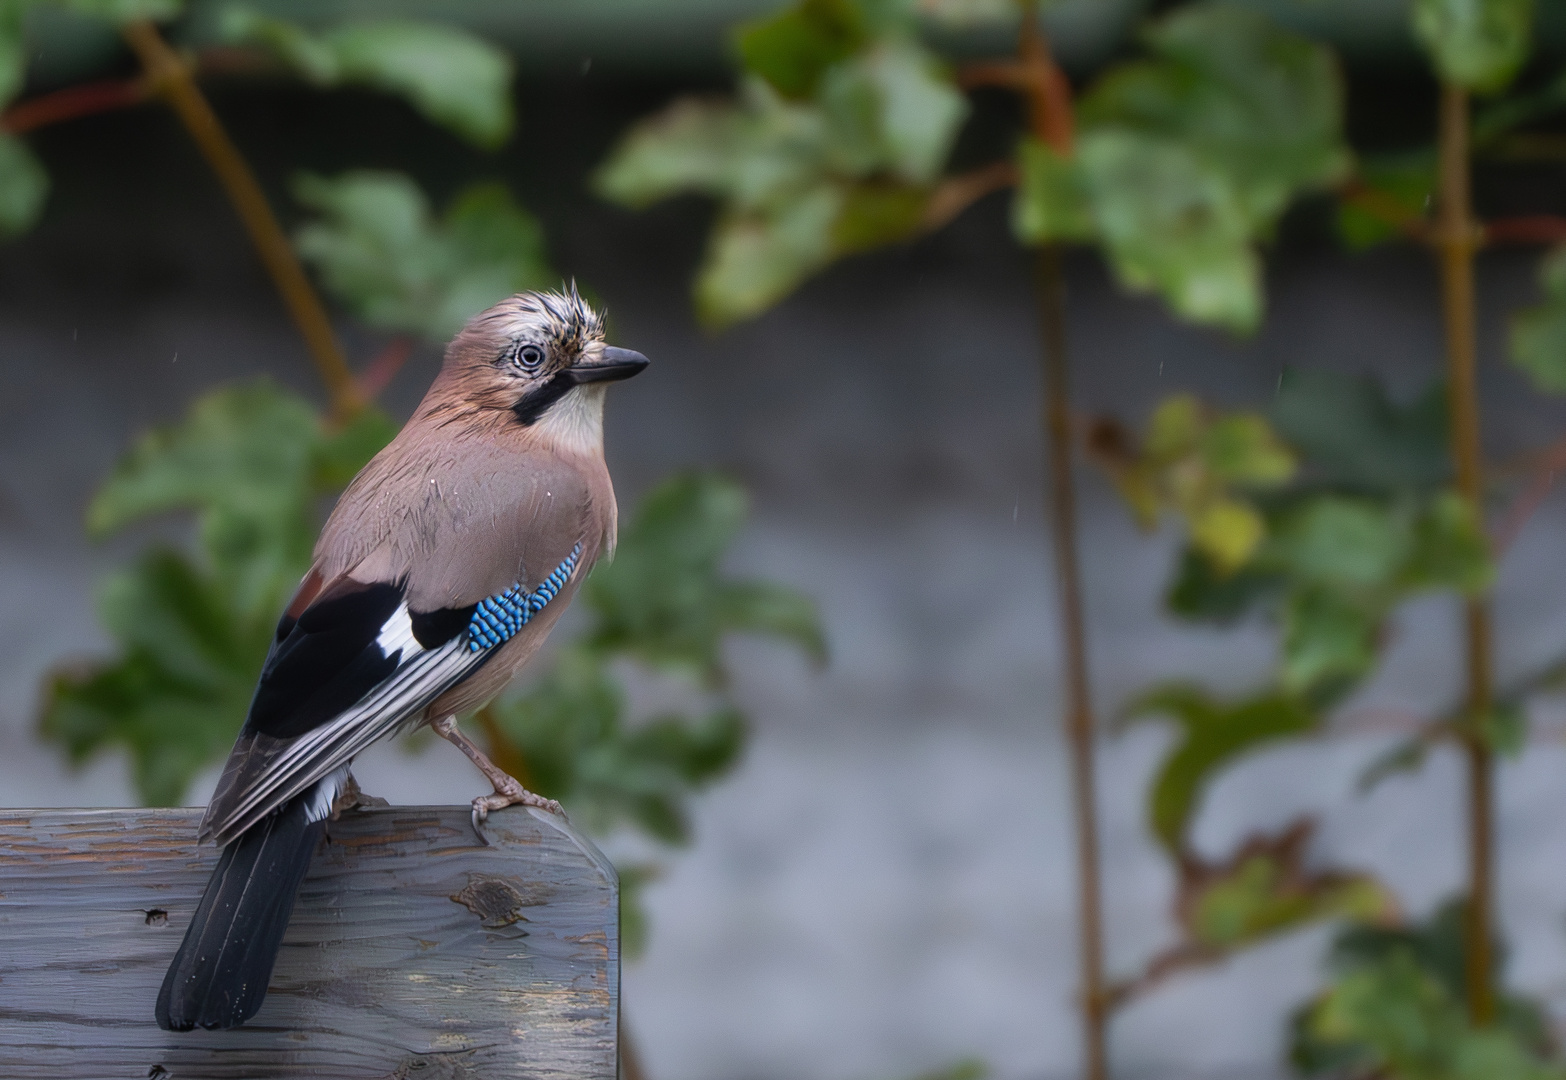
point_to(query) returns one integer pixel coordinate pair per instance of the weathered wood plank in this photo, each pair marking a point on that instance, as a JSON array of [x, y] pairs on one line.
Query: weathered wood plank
[[413, 952]]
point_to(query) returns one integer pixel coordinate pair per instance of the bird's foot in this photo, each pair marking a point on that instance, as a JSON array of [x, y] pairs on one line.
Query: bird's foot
[[510, 793]]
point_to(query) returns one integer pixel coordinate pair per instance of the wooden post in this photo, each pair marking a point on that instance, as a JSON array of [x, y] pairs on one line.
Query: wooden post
[[414, 952]]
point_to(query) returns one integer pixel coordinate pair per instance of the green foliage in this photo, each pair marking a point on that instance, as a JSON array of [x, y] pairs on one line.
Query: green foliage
[[840, 127], [1365, 524], [1402, 184], [1212, 734], [1353, 436], [1186, 158], [1478, 44], [1395, 1009], [1200, 465], [379, 248], [23, 182], [455, 79], [251, 463], [1538, 334], [664, 600], [664, 603], [1266, 894], [124, 11]]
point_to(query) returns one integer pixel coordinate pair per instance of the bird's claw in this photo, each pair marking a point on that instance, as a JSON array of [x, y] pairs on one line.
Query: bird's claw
[[512, 794]]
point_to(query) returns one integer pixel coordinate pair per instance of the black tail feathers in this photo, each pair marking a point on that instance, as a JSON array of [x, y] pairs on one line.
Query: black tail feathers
[[218, 978]]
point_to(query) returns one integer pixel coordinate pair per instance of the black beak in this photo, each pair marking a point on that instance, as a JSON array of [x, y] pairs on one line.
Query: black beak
[[612, 366]]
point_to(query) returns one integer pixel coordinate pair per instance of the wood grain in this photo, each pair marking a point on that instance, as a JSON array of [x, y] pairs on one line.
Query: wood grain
[[414, 953]]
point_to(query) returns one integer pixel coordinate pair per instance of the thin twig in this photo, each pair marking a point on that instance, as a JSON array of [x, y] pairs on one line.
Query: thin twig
[[956, 193], [74, 102], [1551, 460], [383, 367], [1456, 239], [1529, 229], [1048, 97], [170, 76]]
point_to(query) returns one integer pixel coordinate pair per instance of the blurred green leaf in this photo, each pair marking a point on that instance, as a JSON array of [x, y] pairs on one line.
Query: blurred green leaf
[[379, 249], [23, 186], [634, 923], [1329, 641], [876, 214], [1212, 735], [664, 600], [1505, 729], [1404, 184], [793, 48], [894, 108], [1173, 224], [1406, 756], [243, 460], [124, 11], [570, 728], [841, 124], [1450, 549], [1396, 1009], [750, 154], [1201, 592], [252, 463], [1478, 44], [1264, 895], [13, 48], [1352, 435], [1260, 104], [754, 260], [1052, 200], [1538, 334], [966, 1069], [1343, 542], [456, 79], [178, 693]]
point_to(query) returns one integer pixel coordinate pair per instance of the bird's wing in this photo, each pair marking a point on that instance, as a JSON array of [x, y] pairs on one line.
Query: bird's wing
[[352, 666]]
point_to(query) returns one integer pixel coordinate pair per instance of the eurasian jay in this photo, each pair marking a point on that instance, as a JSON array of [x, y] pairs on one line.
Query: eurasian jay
[[439, 573]]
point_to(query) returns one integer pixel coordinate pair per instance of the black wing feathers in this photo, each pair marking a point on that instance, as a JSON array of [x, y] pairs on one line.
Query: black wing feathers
[[325, 660], [433, 629]]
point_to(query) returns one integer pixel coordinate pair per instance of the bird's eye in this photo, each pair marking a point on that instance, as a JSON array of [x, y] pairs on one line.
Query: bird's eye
[[529, 357]]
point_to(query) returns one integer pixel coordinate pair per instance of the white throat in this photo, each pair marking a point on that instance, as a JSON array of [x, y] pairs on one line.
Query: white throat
[[575, 423]]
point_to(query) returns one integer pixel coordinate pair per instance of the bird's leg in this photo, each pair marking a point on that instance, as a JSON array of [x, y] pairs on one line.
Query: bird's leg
[[508, 792]]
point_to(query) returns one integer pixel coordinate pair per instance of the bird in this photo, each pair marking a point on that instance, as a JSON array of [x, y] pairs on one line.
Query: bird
[[438, 574]]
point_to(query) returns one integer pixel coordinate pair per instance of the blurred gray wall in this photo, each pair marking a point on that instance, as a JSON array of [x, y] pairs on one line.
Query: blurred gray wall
[[885, 885]]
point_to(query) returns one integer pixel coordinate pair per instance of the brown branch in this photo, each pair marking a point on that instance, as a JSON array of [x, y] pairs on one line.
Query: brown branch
[[956, 193], [170, 76], [383, 367], [1456, 239], [1527, 229], [1170, 962], [74, 102]]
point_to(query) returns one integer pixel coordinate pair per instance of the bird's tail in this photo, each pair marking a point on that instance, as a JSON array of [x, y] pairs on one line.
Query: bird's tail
[[218, 978]]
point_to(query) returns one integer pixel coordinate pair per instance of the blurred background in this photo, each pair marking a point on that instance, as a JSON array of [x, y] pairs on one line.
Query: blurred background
[[883, 886]]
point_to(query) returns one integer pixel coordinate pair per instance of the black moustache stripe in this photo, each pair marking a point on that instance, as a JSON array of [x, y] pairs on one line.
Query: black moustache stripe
[[536, 402]]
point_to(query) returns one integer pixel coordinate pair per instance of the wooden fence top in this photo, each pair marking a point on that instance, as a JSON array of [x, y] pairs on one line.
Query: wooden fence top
[[414, 952]]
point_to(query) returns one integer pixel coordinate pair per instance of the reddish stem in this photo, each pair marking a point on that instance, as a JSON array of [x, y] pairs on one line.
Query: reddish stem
[[383, 367], [74, 102], [1528, 229]]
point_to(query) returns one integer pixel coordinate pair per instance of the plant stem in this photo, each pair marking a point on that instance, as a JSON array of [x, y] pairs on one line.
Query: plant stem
[[1079, 704], [1048, 95], [1457, 238], [170, 76], [74, 102]]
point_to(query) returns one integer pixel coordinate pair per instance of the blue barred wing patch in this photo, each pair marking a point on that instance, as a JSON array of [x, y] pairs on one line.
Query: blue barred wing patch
[[498, 618]]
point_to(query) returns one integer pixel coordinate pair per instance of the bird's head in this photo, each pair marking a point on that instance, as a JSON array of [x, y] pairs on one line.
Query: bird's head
[[541, 357]]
